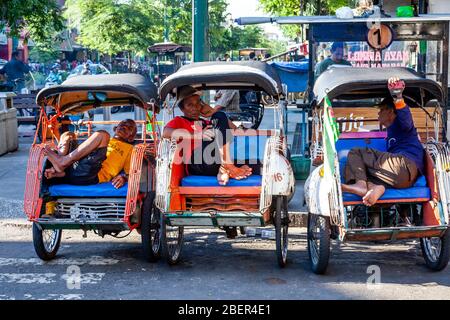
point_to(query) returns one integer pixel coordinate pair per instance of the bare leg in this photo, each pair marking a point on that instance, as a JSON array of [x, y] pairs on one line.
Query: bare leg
[[223, 177], [359, 188], [373, 194], [60, 163], [64, 142]]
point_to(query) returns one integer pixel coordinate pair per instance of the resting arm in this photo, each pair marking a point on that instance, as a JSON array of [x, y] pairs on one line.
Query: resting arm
[[174, 133]]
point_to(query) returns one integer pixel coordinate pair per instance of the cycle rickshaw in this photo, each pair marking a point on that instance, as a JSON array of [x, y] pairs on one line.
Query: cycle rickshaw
[[199, 200], [379, 43], [333, 214], [100, 208]]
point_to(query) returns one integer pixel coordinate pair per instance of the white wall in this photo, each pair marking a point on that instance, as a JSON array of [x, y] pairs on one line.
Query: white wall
[[439, 6]]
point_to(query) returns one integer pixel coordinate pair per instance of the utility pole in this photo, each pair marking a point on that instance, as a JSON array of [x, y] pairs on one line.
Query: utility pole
[[200, 23], [166, 26]]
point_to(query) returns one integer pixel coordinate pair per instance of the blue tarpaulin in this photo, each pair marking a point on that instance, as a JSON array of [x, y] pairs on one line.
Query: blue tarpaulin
[[293, 74]]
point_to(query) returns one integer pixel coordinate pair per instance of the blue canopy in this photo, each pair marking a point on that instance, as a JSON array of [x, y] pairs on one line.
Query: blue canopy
[[293, 74]]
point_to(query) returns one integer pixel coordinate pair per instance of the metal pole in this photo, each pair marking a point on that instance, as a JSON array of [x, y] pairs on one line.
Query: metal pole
[[200, 22]]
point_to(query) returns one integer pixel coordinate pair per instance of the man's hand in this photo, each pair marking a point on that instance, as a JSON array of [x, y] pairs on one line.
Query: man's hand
[[396, 87], [208, 133], [119, 181]]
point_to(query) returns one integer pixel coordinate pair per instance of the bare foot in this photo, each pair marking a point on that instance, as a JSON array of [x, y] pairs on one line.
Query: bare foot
[[238, 173], [55, 159], [374, 193], [359, 188], [223, 177], [52, 173]]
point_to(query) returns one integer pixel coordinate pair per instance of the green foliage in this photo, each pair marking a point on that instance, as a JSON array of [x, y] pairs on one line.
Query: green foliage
[[40, 18], [44, 54], [298, 7], [112, 26]]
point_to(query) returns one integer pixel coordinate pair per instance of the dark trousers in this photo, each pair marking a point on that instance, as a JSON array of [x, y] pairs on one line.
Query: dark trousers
[[220, 123], [381, 168]]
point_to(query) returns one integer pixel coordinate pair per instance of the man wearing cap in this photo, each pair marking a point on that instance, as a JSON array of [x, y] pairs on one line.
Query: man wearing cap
[[368, 171], [202, 138]]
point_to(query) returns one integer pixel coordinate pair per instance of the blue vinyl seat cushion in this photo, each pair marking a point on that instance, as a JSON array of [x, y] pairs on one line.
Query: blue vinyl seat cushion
[[105, 189], [211, 181]]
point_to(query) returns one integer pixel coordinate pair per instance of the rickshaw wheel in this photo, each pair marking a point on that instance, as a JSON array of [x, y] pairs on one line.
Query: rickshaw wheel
[[46, 242], [281, 229], [171, 241], [151, 229], [318, 242], [436, 251]]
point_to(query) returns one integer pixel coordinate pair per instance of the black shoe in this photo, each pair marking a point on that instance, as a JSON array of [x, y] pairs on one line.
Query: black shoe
[[231, 232]]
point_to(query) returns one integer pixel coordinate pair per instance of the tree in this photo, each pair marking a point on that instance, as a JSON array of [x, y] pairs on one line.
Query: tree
[[112, 26], [301, 7], [40, 19]]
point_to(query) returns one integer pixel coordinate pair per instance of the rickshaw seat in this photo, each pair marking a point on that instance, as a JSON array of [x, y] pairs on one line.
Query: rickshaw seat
[[417, 193], [211, 181], [104, 190]]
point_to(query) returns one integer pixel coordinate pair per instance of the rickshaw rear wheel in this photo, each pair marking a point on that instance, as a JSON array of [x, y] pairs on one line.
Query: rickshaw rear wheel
[[46, 242], [171, 241], [281, 229], [436, 251], [319, 242], [151, 229]]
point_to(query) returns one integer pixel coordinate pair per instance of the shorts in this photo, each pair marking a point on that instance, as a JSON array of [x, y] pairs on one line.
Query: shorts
[[85, 171]]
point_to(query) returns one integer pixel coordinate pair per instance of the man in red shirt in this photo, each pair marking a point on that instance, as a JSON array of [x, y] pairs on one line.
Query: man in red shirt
[[205, 144]]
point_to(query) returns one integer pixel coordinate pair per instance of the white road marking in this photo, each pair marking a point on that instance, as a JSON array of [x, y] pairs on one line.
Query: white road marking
[[93, 261], [87, 278], [46, 278], [27, 278]]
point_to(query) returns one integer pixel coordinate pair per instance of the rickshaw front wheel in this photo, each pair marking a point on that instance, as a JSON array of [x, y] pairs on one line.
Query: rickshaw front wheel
[[151, 229], [319, 242], [281, 229], [172, 241], [436, 251], [46, 242]]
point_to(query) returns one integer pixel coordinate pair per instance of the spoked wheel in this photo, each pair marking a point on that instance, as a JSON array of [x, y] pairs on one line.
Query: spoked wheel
[[318, 242], [46, 242], [172, 241], [151, 229], [281, 229], [436, 251]]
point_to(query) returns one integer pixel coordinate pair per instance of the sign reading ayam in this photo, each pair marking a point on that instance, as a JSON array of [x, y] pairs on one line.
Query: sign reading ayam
[[388, 58]]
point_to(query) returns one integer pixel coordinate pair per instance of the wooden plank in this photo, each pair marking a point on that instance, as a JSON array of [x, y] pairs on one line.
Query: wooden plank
[[416, 200], [219, 191], [400, 234]]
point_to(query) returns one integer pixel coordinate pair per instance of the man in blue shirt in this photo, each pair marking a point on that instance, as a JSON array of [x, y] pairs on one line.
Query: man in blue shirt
[[369, 171], [15, 71]]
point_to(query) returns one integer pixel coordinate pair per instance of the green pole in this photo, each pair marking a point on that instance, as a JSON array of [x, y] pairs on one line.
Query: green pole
[[166, 26], [200, 22]]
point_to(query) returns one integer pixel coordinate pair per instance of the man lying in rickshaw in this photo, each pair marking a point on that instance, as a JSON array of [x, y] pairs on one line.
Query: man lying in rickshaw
[[98, 159], [368, 171], [184, 129]]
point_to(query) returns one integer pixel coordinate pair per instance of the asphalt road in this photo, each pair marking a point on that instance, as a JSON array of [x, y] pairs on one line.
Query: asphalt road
[[212, 267]]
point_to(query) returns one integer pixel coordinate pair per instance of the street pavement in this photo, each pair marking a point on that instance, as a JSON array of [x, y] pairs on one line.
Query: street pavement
[[212, 266]]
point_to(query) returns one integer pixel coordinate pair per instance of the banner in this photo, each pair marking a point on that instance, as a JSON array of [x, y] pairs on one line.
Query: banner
[[330, 134]]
